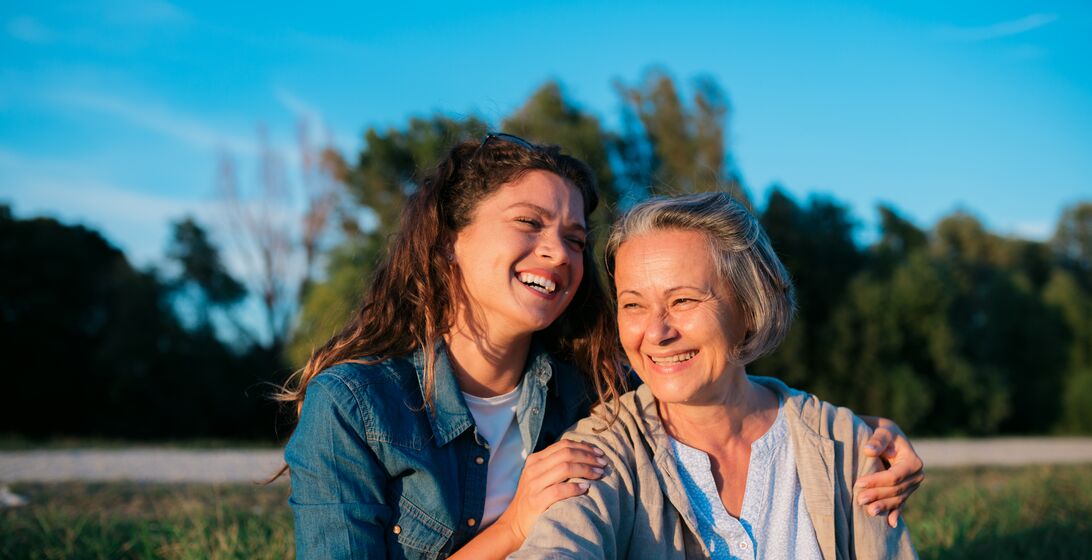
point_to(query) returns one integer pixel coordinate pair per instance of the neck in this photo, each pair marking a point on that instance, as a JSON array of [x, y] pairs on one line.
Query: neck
[[742, 413], [486, 364]]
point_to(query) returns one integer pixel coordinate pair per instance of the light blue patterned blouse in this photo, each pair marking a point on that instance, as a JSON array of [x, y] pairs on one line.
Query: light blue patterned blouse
[[773, 522]]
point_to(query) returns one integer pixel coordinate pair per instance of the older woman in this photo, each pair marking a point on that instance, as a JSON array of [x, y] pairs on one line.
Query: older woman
[[706, 461]]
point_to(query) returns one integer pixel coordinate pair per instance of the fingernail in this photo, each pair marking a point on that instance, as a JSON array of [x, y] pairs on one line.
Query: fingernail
[[871, 447], [597, 470], [601, 461], [874, 510], [863, 499], [597, 451], [582, 485]]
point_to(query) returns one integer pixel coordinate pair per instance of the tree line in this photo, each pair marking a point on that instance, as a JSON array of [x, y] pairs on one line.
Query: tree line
[[949, 330]]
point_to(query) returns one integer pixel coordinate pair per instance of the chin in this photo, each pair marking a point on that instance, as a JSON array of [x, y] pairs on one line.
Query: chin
[[677, 393]]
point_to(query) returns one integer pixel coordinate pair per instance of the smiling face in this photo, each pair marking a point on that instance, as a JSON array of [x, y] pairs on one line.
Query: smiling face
[[521, 256], [677, 320]]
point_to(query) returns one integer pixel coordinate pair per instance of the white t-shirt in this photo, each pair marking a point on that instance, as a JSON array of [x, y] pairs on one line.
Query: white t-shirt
[[496, 421]]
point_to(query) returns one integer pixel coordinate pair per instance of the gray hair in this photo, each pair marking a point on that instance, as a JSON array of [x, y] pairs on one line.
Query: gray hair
[[741, 251]]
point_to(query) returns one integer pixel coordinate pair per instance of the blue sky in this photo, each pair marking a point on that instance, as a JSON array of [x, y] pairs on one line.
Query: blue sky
[[113, 114]]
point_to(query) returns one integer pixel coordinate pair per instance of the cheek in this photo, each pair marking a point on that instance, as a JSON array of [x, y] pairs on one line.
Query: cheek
[[630, 333], [578, 269]]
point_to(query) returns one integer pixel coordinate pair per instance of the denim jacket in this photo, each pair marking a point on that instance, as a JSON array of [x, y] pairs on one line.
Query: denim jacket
[[375, 474]]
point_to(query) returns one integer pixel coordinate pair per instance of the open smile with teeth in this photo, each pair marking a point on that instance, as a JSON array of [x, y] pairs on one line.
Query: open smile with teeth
[[677, 358], [538, 283]]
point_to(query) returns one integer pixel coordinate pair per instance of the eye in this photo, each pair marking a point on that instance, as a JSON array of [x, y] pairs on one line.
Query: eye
[[531, 223], [683, 302], [631, 305], [578, 242]]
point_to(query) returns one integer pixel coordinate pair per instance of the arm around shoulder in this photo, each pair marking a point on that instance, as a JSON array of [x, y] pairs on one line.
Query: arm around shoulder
[[873, 537], [337, 481]]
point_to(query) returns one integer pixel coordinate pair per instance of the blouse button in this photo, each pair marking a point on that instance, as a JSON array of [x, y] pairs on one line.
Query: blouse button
[[471, 522], [479, 460], [397, 529]]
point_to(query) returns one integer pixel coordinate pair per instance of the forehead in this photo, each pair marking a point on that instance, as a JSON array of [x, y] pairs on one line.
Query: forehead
[[664, 259], [541, 189]]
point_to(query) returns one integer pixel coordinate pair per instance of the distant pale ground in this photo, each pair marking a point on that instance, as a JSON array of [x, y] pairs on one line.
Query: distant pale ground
[[217, 466]]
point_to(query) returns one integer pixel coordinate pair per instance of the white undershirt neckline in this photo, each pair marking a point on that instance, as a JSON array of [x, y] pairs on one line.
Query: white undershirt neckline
[[495, 420]]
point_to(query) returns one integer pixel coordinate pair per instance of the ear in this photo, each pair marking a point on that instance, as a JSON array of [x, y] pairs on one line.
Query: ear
[[447, 245]]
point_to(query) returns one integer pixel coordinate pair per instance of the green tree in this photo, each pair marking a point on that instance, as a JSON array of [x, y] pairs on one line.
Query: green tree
[[388, 167], [898, 239], [816, 245], [888, 343], [126, 366], [1013, 340], [672, 147], [550, 117], [1064, 293], [201, 271], [1073, 236]]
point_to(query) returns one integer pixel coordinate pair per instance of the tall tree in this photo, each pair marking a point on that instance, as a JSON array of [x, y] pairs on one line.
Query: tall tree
[[391, 162], [201, 271], [550, 117], [898, 238], [278, 224], [673, 147], [1064, 294], [1003, 329], [815, 242]]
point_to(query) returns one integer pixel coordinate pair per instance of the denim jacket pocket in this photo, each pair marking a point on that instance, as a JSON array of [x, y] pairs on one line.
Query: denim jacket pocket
[[418, 531]]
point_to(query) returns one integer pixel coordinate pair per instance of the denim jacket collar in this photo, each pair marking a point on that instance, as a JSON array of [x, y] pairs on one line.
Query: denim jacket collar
[[449, 416]]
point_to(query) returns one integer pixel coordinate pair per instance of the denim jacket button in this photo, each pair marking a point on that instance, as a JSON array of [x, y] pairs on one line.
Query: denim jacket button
[[397, 529], [479, 460], [471, 522], [534, 410]]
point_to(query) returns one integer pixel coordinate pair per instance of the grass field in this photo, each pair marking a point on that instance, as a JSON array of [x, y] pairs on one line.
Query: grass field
[[1030, 512]]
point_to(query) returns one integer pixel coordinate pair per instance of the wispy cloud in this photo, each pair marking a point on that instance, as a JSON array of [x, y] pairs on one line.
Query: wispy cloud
[[135, 221], [999, 30], [300, 108], [184, 128], [29, 30]]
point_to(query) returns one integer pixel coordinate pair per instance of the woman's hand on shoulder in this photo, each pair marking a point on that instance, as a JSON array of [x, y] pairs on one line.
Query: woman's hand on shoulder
[[545, 480], [888, 490]]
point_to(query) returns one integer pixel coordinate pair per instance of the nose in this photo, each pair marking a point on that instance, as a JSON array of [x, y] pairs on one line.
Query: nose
[[551, 246], [660, 330]]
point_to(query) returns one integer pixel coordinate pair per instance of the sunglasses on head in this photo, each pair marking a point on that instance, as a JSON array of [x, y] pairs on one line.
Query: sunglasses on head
[[504, 137]]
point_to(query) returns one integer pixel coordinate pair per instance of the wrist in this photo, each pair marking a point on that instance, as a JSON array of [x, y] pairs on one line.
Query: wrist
[[511, 530]]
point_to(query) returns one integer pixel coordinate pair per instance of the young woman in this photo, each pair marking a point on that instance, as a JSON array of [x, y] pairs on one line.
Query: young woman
[[430, 425]]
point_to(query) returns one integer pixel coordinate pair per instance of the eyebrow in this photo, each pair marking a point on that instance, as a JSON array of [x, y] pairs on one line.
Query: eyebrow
[[544, 212], [670, 291]]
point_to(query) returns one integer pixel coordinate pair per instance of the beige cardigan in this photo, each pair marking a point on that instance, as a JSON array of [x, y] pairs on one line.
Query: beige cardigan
[[639, 509]]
